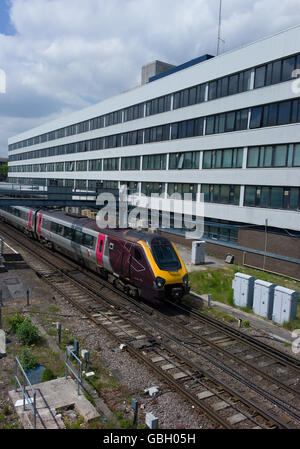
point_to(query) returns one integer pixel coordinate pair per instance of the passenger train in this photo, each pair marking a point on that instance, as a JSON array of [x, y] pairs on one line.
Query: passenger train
[[139, 263]]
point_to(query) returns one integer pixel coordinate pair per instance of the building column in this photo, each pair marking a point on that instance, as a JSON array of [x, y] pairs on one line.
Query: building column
[[242, 193]]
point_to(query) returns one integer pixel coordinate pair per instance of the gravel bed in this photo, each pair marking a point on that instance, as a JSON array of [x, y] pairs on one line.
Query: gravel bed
[[172, 411]]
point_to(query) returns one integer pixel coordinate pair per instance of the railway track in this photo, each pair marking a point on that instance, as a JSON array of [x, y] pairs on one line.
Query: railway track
[[149, 342]]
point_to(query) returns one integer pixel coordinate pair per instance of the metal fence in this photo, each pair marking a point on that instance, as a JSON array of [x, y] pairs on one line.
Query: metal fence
[[70, 355], [22, 384]]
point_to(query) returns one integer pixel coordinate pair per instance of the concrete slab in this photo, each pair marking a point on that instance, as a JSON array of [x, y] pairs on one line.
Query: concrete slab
[[50, 397], [205, 394], [237, 418]]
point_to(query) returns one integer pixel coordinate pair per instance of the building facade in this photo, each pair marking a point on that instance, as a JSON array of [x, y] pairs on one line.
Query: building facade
[[225, 126]]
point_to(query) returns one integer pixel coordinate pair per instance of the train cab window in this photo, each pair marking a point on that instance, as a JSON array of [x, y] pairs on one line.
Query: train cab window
[[67, 233], [88, 241], [77, 237], [137, 254], [164, 254]]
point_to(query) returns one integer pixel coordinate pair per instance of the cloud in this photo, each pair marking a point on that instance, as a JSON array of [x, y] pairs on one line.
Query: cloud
[[67, 54]]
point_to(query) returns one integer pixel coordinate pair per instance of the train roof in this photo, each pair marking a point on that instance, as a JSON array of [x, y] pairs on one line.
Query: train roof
[[83, 222]]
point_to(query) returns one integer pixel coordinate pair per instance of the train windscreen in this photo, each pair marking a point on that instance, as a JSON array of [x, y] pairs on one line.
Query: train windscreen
[[165, 255]]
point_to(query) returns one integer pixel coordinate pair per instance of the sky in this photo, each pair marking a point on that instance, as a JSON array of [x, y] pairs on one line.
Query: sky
[[60, 56]]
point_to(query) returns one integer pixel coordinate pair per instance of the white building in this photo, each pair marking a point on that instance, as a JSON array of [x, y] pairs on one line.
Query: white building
[[226, 126]]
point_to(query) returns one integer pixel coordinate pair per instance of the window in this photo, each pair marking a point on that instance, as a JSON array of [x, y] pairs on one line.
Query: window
[[111, 164], [95, 165], [130, 163], [152, 187], [155, 162], [259, 80], [137, 254], [230, 121], [279, 156], [284, 112], [253, 157], [212, 90], [276, 72], [256, 116], [288, 66], [70, 166], [233, 84], [272, 197], [276, 197], [225, 194], [210, 124], [81, 165], [67, 233], [184, 160], [296, 160], [88, 241], [77, 237], [182, 189], [250, 193]]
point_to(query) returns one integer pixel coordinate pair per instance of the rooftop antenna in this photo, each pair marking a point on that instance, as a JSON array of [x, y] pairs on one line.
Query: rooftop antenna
[[219, 28]]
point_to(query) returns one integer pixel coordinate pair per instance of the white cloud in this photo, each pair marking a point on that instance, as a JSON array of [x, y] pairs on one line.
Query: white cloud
[[67, 54]]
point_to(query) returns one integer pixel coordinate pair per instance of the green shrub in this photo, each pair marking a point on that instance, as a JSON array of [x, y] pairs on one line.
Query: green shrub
[[47, 375], [27, 333], [27, 360], [15, 321]]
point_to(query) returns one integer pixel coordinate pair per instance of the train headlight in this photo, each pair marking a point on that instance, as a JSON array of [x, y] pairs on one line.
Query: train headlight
[[185, 279], [160, 282]]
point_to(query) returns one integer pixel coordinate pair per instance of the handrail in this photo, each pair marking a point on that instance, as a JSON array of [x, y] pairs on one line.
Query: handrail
[[31, 401]]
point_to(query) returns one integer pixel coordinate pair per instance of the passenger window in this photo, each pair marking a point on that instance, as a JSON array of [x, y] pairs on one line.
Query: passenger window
[[88, 240], [67, 233], [54, 227], [100, 247], [77, 237], [60, 229]]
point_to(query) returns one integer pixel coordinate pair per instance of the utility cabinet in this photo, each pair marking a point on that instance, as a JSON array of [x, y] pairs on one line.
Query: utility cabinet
[[243, 286], [198, 252], [263, 298], [285, 305]]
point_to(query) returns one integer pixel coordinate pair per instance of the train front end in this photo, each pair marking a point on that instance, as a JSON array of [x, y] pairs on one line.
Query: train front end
[[170, 274]]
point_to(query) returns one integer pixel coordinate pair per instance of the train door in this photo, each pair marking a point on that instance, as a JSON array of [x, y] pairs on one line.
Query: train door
[[125, 260], [30, 221], [100, 249], [139, 272], [39, 225]]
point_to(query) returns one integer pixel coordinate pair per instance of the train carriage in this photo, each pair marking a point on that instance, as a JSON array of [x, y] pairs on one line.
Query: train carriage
[[137, 262]]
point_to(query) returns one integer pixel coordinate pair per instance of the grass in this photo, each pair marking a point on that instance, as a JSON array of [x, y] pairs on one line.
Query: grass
[[218, 282]]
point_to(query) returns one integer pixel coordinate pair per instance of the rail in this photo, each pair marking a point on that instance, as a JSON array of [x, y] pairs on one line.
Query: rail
[[31, 401]]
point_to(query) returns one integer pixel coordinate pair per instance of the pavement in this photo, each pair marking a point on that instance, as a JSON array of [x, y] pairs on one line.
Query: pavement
[[210, 262], [51, 396]]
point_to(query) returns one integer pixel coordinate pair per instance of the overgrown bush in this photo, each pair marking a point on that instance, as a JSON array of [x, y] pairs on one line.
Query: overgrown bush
[[27, 360], [47, 375], [15, 321], [27, 333]]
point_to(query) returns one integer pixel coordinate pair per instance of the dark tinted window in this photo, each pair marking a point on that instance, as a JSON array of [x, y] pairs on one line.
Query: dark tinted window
[[165, 255], [256, 115]]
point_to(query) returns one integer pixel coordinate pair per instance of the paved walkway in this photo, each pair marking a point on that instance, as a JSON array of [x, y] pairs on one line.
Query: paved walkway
[[51, 396]]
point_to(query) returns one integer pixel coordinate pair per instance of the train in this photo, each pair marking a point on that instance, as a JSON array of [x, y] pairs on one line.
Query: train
[[141, 264]]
